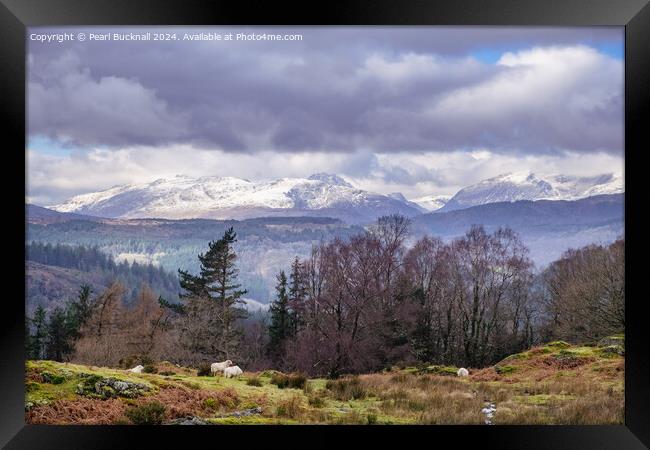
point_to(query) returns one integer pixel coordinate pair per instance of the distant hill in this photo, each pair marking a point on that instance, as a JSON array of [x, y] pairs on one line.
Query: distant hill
[[267, 245], [54, 274], [547, 227], [38, 214], [52, 286]]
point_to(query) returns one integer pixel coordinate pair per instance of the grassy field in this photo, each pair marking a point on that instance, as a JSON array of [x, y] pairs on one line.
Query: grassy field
[[552, 384]]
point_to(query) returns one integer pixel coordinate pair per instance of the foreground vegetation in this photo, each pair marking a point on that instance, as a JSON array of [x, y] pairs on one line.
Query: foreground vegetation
[[552, 384]]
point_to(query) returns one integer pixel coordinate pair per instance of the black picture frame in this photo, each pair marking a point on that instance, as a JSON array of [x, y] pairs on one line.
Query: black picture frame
[[15, 15]]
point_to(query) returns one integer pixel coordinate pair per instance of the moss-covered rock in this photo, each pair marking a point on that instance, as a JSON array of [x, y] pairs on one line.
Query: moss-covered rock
[[96, 386], [52, 378], [612, 341], [612, 351]]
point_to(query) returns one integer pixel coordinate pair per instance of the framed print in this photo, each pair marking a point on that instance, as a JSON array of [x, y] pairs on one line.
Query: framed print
[[369, 218]]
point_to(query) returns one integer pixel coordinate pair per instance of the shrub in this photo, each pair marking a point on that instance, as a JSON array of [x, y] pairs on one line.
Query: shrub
[[316, 401], [149, 414], [52, 378], [290, 407], [150, 368], [203, 370], [346, 388], [558, 344], [293, 380], [210, 403], [167, 373], [254, 381], [372, 419], [502, 370], [269, 373], [441, 370]]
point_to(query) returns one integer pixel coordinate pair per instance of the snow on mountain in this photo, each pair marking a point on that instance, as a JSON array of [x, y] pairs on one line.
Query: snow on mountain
[[228, 197], [516, 186], [432, 202], [330, 179], [400, 197]]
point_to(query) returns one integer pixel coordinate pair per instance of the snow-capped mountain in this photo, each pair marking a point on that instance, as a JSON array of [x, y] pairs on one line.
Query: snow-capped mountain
[[183, 197], [432, 202], [528, 186]]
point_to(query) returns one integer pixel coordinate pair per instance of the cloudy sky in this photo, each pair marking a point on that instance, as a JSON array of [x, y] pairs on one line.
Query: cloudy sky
[[419, 110]]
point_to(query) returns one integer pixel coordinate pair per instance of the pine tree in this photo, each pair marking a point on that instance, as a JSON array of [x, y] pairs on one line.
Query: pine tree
[[297, 295], [79, 311], [281, 326], [28, 338], [58, 335], [216, 283], [38, 339]]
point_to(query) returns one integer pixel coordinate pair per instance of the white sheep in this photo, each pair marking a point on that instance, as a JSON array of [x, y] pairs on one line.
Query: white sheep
[[462, 372], [233, 371], [136, 369], [218, 367]]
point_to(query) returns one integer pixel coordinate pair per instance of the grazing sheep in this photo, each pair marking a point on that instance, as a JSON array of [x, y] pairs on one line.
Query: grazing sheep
[[462, 372], [136, 369], [233, 371], [218, 367]]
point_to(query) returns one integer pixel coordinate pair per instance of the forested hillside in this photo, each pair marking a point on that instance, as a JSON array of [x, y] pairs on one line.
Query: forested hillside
[[55, 272], [264, 244]]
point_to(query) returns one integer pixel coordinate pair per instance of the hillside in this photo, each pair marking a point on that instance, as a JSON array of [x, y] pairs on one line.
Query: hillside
[[54, 274], [51, 286], [265, 245], [547, 227], [556, 383]]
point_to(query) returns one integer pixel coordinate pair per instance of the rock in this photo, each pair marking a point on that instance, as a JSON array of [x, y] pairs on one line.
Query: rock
[[121, 385], [189, 420], [95, 386], [610, 341], [613, 349], [246, 412]]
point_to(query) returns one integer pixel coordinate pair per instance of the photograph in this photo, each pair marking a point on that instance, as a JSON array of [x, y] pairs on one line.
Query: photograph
[[325, 225]]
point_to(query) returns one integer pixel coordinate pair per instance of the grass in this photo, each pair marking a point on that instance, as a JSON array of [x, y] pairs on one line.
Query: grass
[[550, 384]]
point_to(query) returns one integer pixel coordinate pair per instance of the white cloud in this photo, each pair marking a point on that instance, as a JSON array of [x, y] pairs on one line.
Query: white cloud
[[555, 91]]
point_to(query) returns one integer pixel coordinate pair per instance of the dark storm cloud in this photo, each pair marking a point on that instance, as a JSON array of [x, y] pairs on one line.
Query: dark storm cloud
[[344, 89]]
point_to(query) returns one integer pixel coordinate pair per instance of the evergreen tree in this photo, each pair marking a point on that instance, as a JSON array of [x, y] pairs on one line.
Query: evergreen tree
[[297, 295], [28, 338], [59, 335], [281, 326], [216, 283], [38, 339], [79, 311]]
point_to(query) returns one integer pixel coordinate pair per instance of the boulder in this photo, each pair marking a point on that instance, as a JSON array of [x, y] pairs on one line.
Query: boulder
[[189, 420], [96, 386]]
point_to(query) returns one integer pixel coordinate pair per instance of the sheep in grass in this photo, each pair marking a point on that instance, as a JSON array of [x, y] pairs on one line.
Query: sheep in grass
[[136, 369], [233, 371], [218, 367], [462, 372]]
